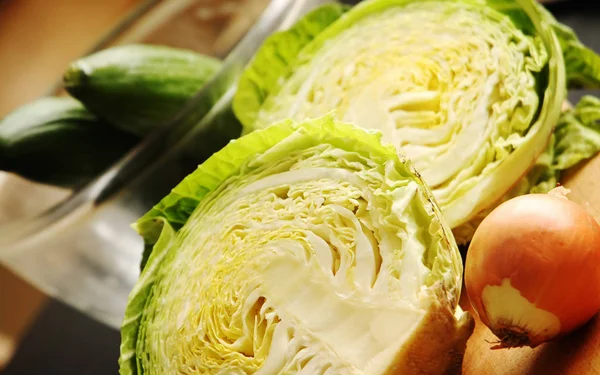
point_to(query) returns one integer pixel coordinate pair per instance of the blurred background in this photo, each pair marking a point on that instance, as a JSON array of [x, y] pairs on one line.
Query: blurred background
[[38, 38]]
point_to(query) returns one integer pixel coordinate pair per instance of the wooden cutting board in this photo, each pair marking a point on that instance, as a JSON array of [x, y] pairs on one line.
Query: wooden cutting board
[[575, 354]]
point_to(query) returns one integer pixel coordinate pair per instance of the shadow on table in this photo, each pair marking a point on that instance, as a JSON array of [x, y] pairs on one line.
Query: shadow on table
[[63, 341]]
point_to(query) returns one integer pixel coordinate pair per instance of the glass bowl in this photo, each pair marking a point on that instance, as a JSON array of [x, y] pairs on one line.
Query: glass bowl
[[80, 248]]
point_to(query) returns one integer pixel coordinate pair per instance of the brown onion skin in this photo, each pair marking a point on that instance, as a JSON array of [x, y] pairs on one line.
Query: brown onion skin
[[549, 248]]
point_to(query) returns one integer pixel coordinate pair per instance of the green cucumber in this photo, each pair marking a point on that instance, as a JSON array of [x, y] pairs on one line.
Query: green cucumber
[[57, 141], [137, 87]]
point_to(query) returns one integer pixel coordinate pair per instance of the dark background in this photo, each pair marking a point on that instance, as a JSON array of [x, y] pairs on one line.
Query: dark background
[[63, 341]]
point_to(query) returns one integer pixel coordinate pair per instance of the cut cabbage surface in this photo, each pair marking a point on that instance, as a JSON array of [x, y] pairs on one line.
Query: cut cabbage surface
[[469, 90], [303, 248]]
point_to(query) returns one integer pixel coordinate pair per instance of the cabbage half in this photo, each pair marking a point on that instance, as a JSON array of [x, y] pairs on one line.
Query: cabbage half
[[469, 90], [302, 248]]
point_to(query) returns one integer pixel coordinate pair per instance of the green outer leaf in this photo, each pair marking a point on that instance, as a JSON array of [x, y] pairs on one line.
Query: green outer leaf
[[576, 138], [139, 296], [272, 60], [582, 64], [578, 134]]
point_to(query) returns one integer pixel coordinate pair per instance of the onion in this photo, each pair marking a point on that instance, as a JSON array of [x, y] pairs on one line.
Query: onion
[[532, 271]]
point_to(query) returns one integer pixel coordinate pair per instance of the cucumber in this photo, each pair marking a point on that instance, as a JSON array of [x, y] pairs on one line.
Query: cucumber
[[56, 141], [137, 87]]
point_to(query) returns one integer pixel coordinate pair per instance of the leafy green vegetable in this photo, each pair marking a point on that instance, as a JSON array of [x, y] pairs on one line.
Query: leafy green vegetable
[[577, 134], [300, 248], [582, 64], [469, 90], [576, 138]]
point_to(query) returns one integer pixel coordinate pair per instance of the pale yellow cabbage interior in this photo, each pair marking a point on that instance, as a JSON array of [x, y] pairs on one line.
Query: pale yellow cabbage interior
[[313, 265], [451, 87]]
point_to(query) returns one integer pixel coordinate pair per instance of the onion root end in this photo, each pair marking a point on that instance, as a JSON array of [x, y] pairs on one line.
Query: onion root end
[[511, 337]]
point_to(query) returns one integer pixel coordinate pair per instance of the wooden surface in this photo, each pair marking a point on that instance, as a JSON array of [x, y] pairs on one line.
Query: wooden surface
[[575, 354]]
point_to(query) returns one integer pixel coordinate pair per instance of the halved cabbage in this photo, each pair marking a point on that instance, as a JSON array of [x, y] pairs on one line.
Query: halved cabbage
[[301, 248], [469, 90]]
